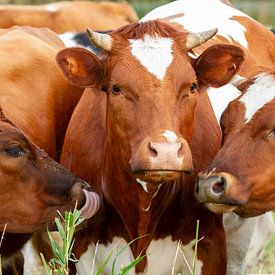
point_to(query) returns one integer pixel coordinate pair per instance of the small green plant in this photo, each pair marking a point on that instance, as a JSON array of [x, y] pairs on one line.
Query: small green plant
[[63, 254]]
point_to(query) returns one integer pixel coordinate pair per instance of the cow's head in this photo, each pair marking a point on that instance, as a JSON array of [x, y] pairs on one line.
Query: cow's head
[[33, 186], [151, 84], [242, 175]]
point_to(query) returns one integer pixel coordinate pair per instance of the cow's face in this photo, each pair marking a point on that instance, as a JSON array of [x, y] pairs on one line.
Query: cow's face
[[33, 186], [242, 175], [151, 85]]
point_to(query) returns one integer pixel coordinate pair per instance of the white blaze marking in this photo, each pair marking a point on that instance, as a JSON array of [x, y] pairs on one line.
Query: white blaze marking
[[221, 97], [154, 53], [261, 92], [170, 136], [143, 184], [200, 15]]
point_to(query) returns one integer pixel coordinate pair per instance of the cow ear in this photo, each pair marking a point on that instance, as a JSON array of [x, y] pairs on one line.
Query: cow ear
[[80, 67], [218, 64]]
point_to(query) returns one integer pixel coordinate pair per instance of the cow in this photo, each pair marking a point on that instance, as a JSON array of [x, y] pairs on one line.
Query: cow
[[69, 16], [36, 103], [243, 168], [144, 111], [234, 27]]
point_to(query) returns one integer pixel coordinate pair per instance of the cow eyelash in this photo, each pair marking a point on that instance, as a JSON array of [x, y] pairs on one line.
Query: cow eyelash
[[272, 133], [193, 87]]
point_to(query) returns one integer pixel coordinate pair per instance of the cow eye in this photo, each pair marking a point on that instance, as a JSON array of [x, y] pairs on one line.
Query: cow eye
[[272, 133], [14, 150], [193, 87], [116, 89]]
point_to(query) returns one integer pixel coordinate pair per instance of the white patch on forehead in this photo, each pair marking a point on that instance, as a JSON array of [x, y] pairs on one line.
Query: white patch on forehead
[[221, 97], [154, 53], [51, 8], [143, 184], [261, 92], [170, 136], [200, 15]]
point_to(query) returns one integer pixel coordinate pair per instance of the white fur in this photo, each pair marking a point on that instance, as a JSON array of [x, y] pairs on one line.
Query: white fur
[[67, 39], [200, 15], [161, 255], [258, 94], [51, 8], [154, 195], [154, 53], [170, 136], [143, 184], [221, 97], [245, 240]]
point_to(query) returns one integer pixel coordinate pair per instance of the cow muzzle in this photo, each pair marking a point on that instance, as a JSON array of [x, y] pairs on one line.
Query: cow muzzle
[[218, 192], [157, 161], [87, 202]]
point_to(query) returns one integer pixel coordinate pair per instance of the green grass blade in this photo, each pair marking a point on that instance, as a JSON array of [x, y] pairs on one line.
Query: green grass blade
[[131, 265]]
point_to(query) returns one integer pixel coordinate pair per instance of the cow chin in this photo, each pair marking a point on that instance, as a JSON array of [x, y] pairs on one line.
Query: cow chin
[[220, 208], [158, 176]]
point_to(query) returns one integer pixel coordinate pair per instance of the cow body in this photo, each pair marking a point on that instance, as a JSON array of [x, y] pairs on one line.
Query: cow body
[[139, 162], [36, 103], [65, 16]]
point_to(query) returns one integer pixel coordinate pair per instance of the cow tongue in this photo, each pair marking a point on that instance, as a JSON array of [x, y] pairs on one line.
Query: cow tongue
[[91, 205]]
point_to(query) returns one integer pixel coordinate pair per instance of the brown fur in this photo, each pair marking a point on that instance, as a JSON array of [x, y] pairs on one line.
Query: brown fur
[[37, 101]]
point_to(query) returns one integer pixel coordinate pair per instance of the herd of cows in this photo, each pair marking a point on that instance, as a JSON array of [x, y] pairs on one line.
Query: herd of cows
[[149, 126]]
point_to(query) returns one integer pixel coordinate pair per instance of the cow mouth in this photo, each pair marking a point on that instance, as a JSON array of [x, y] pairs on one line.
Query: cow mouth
[[219, 208], [158, 176], [91, 206]]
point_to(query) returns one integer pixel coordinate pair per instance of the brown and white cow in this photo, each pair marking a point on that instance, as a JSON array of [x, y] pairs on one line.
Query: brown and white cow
[[133, 132], [36, 104], [243, 170], [69, 16], [234, 27]]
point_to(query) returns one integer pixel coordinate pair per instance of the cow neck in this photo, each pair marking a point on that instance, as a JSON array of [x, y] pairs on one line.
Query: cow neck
[[139, 210]]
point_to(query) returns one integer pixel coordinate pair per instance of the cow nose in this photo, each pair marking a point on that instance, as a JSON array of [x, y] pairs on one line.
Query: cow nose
[[210, 188], [162, 150]]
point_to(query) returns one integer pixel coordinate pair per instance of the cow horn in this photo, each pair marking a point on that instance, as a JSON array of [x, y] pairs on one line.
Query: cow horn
[[101, 40], [195, 39]]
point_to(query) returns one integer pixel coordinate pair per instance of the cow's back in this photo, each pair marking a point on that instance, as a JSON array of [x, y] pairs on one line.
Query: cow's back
[[73, 16], [34, 94]]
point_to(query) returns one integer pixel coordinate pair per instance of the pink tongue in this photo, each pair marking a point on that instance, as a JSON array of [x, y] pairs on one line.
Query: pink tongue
[[91, 205]]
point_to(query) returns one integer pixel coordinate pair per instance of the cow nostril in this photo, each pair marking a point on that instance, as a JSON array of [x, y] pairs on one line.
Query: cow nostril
[[86, 186], [181, 150], [152, 149], [219, 185]]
